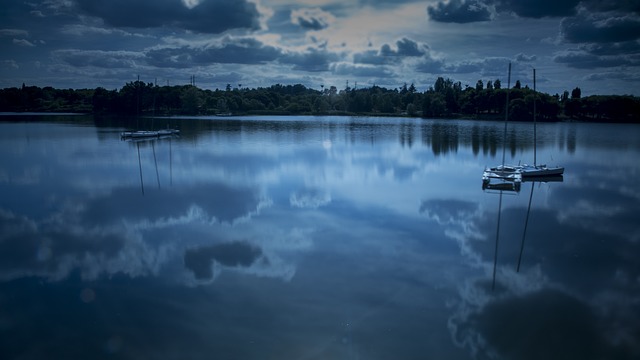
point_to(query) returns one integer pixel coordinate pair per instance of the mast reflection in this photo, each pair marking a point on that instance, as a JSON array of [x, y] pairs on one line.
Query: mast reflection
[[512, 188]]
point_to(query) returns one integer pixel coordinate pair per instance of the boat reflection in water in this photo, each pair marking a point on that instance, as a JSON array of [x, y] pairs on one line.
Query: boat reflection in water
[[512, 187]]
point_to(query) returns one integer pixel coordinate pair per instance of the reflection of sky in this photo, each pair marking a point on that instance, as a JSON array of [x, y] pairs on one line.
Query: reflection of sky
[[331, 238]]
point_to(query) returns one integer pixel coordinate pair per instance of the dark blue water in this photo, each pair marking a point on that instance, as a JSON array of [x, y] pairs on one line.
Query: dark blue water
[[316, 238]]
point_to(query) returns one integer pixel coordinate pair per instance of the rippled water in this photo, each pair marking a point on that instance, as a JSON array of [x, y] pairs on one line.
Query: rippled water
[[316, 238]]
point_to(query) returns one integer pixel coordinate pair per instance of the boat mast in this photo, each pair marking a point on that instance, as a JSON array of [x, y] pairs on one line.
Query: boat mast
[[506, 117], [535, 140]]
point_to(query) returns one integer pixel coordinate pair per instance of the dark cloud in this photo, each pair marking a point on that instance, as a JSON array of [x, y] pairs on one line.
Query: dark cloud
[[361, 70], [369, 57], [613, 5], [405, 47], [52, 250], [490, 66], [98, 58], [219, 202], [312, 19], [583, 60], [459, 11], [618, 48], [589, 27], [232, 51], [613, 75], [607, 39], [537, 8], [210, 16], [313, 59], [386, 55], [430, 65], [546, 324], [233, 254]]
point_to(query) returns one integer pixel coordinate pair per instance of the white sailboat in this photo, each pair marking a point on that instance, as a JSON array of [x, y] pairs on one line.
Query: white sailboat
[[535, 170], [503, 172], [519, 172]]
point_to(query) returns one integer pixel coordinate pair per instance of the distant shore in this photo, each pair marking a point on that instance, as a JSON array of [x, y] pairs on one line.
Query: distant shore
[[446, 100]]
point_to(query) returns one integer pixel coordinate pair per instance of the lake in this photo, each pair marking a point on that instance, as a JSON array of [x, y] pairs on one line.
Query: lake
[[316, 238]]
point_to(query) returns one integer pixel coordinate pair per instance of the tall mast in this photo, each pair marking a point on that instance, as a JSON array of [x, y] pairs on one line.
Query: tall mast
[[506, 116], [535, 98]]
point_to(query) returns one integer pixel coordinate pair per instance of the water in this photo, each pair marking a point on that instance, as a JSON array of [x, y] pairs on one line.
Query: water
[[316, 238]]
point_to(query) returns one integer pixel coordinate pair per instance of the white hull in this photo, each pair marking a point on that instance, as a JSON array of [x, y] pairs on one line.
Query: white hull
[[148, 134], [503, 172], [540, 170]]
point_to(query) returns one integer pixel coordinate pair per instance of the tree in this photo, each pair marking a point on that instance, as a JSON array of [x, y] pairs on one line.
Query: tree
[[575, 93], [489, 85], [497, 84], [517, 85], [479, 85]]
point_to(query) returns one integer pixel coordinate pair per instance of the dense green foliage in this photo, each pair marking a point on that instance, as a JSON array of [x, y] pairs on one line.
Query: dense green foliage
[[444, 99]]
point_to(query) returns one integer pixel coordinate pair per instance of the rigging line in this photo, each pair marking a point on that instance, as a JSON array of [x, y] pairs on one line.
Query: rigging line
[[156, 161], [526, 223], [506, 117], [535, 98], [140, 165], [495, 253]]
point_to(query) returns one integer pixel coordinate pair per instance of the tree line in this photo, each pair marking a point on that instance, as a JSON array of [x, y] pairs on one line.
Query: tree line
[[444, 99]]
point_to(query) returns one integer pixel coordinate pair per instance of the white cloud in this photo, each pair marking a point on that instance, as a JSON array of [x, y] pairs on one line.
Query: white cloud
[[23, 42]]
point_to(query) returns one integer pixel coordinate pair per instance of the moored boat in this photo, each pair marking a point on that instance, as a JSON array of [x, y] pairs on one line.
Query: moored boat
[[148, 134]]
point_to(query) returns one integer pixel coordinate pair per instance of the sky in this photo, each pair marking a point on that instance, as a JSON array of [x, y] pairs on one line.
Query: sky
[[590, 44]]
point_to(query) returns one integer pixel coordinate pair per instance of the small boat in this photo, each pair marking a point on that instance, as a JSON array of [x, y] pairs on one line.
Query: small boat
[[518, 172], [502, 186], [149, 134], [529, 171], [504, 172]]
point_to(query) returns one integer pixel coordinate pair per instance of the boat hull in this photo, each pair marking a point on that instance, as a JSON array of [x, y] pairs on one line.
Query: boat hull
[[148, 134], [529, 171]]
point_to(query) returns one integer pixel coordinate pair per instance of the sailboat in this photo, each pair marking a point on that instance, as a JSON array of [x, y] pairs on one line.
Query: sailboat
[[535, 170], [503, 172], [519, 172]]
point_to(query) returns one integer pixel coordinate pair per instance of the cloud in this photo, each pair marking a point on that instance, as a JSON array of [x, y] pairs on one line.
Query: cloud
[[588, 27], [558, 326], [309, 198], [612, 5], [10, 64], [14, 32], [459, 11], [405, 48], [448, 211], [53, 249], [208, 16], [233, 254], [430, 65], [613, 75], [312, 19], [313, 59], [537, 8], [23, 42], [525, 58], [343, 69], [227, 51], [99, 58], [583, 60], [211, 202]]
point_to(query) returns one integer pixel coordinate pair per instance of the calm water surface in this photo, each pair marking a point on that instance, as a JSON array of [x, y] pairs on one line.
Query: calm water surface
[[316, 238]]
